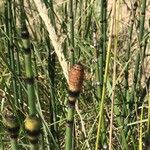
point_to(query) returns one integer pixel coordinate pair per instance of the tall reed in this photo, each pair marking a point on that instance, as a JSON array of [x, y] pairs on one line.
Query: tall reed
[[28, 69], [12, 126], [10, 46], [103, 28], [71, 16], [101, 104], [140, 51], [32, 123], [32, 127], [135, 5], [53, 32], [75, 84]]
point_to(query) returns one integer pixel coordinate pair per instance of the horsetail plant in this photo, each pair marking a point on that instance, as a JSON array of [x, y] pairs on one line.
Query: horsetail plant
[[99, 69], [102, 56], [12, 126], [140, 51], [103, 28], [10, 46], [129, 46], [28, 69], [31, 122], [71, 15], [64, 28], [101, 103], [99, 82], [76, 76], [32, 127]]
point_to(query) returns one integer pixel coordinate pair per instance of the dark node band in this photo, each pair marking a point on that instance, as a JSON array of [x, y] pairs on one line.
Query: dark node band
[[12, 46], [105, 4], [33, 141], [13, 136], [24, 32], [25, 35], [19, 75], [12, 130], [103, 21], [27, 50], [132, 20], [69, 123], [135, 5], [73, 93], [143, 13], [72, 50], [71, 16], [71, 104], [147, 142], [29, 80], [32, 133]]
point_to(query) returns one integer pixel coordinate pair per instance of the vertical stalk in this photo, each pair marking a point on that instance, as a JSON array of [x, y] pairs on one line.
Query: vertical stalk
[[18, 69], [148, 124], [116, 30], [28, 69], [148, 128], [101, 104], [98, 75], [49, 4], [103, 28], [14, 144], [138, 57], [141, 131], [16, 50], [34, 147], [12, 126], [1, 139], [88, 21], [129, 46], [75, 83], [51, 71], [10, 45], [69, 128], [80, 20], [37, 93], [52, 108], [32, 123], [71, 16], [120, 122], [102, 57], [33, 127]]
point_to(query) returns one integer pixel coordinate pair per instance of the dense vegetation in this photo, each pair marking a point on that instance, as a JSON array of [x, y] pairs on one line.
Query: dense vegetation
[[105, 44]]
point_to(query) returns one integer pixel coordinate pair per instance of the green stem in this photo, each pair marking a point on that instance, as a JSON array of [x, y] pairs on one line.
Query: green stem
[[10, 44], [98, 65], [28, 64], [71, 15], [102, 57], [1, 138], [14, 144], [99, 76], [34, 147], [88, 22], [129, 47], [69, 128], [138, 57], [103, 28], [101, 104], [52, 108]]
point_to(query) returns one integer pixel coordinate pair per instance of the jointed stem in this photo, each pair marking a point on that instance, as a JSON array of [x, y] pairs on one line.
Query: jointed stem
[[14, 144], [69, 128]]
